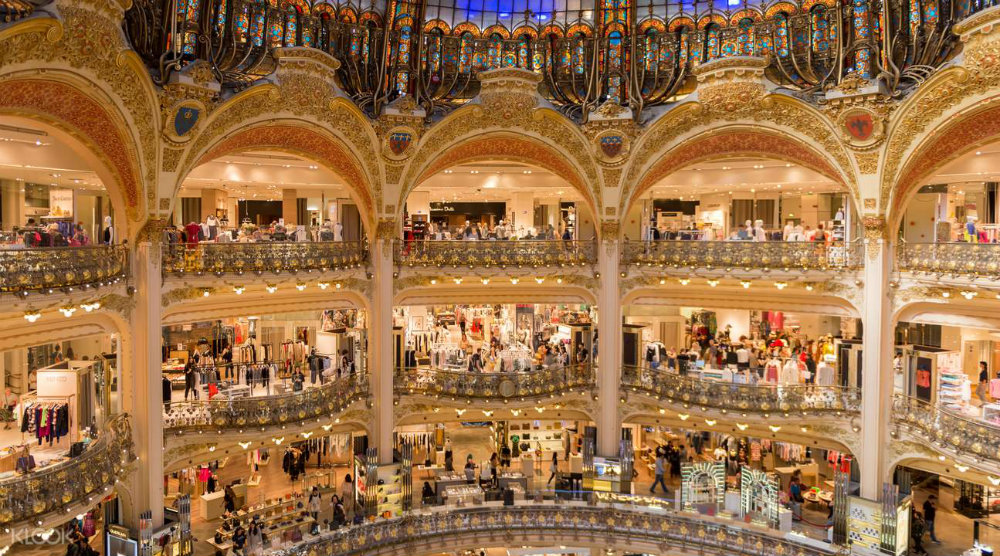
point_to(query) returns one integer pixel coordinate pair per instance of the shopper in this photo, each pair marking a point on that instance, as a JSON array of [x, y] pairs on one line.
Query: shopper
[[213, 481], [190, 380], [486, 475], [660, 468], [239, 541], [555, 467], [930, 512], [339, 512], [917, 529], [255, 541], [427, 495], [795, 498], [315, 503], [984, 379], [347, 493], [470, 472]]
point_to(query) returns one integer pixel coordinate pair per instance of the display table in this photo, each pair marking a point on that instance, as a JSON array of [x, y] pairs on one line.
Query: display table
[[809, 471], [784, 520], [213, 505], [463, 494]]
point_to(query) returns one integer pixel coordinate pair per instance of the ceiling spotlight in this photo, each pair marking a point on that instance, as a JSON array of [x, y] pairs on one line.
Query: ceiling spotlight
[[683, 416], [742, 426], [300, 286], [713, 282], [745, 283], [205, 292], [663, 281], [323, 285], [809, 287], [434, 281], [238, 290], [781, 285], [485, 281], [540, 279], [946, 294], [67, 311], [710, 422], [458, 280], [515, 280], [684, 281], [271, 288], [961, 468], [967, 294], [337, 285], [88, 307], [774, 428], [31, 315]]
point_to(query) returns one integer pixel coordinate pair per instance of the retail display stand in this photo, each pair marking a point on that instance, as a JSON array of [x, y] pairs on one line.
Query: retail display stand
[[703, 486]]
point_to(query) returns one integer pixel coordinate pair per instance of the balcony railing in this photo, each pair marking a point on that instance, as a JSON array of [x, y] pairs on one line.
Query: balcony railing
[[56, 268], [487, 253], [745, 255], [959, 259], [264, 411], [79, 479], [746, 398], [463, 384], [238, 258], [950, 430], [619, 525]]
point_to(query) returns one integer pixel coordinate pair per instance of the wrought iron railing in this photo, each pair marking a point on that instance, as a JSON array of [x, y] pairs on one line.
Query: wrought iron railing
[[84, 477], [521, 253], [57, 268], [745, 255], [958, 258], [951, 430], [263, 411], [237, 258], [497, 386], [746, 398], [611, 526]]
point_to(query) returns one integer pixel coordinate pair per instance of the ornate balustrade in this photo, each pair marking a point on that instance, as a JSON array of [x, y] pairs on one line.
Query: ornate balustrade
[[746, 398], [947, 429], [628, 527], [956, 259], [237, 258], [521, 253], [746, 255], [77, 480], [61, 268], [284, 409], [495, 386]]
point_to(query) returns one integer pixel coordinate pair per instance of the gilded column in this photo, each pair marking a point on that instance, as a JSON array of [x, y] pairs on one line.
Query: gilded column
[[141, 391], [876, 374], [381, 341], [609, 341]]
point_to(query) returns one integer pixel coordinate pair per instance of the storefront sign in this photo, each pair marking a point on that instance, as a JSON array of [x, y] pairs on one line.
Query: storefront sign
[[60, 202]]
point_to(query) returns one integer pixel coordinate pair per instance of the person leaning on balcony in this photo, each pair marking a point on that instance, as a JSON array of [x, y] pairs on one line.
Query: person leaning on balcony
[[984, 380]]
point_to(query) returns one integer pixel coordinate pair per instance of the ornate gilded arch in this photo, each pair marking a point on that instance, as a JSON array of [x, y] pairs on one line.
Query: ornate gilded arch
[[507, 123], [730, 142], [92, 87]]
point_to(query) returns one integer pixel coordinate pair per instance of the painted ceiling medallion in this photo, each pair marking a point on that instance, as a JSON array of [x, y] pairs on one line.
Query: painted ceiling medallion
[[861, 127], [612, 146], [398, 142]]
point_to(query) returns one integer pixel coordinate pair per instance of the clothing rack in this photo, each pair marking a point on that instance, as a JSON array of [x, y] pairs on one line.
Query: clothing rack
[[30, 399]]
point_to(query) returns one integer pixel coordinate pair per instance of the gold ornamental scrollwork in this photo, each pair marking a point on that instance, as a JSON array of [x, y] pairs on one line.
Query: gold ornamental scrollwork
[[875, 234], [386, 229]]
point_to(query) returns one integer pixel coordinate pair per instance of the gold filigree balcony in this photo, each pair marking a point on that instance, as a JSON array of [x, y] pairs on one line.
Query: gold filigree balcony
[[957, 260], [787, 256], [239, 258], [60, 268], [495, 253], [947, 430], [492, 386], [264, 411], [80, 480], [632, 528], [744, 398]]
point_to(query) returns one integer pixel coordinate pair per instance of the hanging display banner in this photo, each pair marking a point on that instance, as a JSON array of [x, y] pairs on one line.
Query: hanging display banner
[[61, 202]]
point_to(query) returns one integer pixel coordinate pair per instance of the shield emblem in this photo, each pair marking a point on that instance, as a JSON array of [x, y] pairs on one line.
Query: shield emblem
[[399, 141], [860, 125], [611, 145], [184, 120]]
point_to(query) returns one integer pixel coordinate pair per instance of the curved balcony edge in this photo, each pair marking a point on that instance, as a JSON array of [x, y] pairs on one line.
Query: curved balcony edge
[[265, 411], [766, 256], [47, 270], [634, 527], [486, 386], [285, 256], [52, 491], [952, 259], [494, 253], [744, 398], [947, 432]]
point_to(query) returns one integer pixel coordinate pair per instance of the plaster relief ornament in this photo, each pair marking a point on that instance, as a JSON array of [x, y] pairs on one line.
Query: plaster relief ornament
[[861, 127], [399, 142], [612, 146]]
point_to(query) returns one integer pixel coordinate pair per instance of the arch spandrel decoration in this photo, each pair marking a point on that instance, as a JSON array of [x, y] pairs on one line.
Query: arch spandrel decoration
[[934, 103], [101, 59], [729, 95], [509, 103]]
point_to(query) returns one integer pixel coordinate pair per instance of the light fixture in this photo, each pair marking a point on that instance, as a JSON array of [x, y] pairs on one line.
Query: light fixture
[[961, 468], [663, 281], [994, 480], [713, 282], [458, 280], [742, 426], [539, 409], [540, 279], [941, 458], [515, 412], [88, 307], [434, 281], [271, 288], [558, 280], [683, 416], [211, 448], [244, 445], [238, 290], [804, 428], [278, 441], [67, 311], [515, 280], [684, 281], [745, 283], [774, 428], [327, 427], [488, 413], [32, 315], [781, 285], [946, 294], [710, 422], [300, 286], [460, 412], [809, 287], [205, 292], [968, 294], [337, 285], [306, 435], [663, 411], [485, 281], [323, 285]]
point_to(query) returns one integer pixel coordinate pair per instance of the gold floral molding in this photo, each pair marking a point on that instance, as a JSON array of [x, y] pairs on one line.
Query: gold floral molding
[[386, 229]]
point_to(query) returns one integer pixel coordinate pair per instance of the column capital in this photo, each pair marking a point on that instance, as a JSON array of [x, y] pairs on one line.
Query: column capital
[[876, 227], [152, 231], [385, 229], [610, 230]]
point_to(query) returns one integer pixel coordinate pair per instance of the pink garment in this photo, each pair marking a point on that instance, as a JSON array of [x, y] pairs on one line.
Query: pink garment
[[995, 388], [204, 474]]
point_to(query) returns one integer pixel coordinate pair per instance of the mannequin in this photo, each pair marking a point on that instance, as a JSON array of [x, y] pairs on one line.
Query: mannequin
[[759, 234], [789, 372], [109, 232], [747, 233], [338, 232], [971, 235], [213, 226]]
